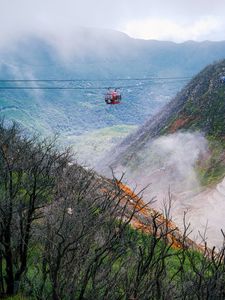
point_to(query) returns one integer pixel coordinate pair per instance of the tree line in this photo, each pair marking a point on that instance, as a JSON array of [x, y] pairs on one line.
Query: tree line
[[66, 234]]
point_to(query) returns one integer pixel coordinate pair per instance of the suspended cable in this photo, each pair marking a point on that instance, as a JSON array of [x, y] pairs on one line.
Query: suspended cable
[[59, 88], [137, 85], [96, 80]]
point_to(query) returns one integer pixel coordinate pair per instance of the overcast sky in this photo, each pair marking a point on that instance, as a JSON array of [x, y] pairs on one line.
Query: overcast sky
[[175, 20]]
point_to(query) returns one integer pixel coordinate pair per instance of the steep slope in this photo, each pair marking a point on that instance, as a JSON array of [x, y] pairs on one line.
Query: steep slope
[[182, 149]]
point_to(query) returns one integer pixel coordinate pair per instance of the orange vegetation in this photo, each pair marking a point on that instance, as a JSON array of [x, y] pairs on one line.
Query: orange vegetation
[[177, 124], [146, 211], [143, 219]]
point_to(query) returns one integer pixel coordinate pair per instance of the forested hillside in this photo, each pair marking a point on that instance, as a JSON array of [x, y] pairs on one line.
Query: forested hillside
[[67, 233]]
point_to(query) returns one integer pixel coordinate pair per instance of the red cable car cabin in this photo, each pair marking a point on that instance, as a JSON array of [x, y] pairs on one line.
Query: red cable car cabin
[[113, 97]]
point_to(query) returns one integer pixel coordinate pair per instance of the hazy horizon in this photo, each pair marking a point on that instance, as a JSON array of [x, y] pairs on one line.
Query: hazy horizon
[[163, 21]]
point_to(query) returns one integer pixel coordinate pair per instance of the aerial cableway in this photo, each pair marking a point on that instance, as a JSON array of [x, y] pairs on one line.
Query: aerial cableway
[[112, 95]]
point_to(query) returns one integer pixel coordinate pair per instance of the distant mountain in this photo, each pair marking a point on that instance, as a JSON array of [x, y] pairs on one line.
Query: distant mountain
[[98, 59], [95, 53]]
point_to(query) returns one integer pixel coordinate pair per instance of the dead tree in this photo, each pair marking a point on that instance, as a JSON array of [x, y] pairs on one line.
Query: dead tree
[[85, 237], [28, 171]]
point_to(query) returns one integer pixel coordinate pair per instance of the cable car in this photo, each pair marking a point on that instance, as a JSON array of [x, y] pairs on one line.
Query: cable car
[[113, 97]]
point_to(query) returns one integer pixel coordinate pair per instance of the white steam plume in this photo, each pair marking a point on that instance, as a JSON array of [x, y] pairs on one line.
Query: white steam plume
[[167, 162]]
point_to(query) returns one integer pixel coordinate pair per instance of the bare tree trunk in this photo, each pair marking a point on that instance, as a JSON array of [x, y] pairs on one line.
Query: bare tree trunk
[[9, 267]]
